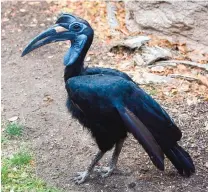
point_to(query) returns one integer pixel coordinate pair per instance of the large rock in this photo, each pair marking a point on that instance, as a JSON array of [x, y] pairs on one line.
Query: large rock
[[183, 21]]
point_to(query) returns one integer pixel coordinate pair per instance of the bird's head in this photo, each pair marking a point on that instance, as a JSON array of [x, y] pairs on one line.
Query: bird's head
[[67, 27]]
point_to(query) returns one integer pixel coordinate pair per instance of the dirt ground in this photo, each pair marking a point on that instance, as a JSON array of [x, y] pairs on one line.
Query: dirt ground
[[33, 89]]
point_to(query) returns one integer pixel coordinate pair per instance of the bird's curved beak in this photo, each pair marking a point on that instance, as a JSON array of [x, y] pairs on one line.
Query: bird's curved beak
[[53, 34]]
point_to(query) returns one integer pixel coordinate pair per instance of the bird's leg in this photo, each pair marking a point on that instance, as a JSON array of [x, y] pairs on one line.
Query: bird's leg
[[106, 171], [82, 176]]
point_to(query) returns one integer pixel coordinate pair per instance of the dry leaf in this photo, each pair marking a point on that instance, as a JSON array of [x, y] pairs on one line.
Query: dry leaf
[[182, 48], [182, 68], [32, 163], [155, 41], [174, 91], [184, 88], [204, 80], [47, 99]]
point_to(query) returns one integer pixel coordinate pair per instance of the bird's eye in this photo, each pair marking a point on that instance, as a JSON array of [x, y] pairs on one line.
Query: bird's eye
[[76, 27]]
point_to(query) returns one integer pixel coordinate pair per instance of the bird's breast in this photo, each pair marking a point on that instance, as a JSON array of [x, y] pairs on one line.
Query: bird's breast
[[97, 94]]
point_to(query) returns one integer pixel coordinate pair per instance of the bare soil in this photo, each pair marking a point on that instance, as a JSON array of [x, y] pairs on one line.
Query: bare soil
[[33, 89]]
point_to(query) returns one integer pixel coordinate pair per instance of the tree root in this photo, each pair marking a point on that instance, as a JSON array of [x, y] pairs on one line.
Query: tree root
[[175, 62], [189, 78]]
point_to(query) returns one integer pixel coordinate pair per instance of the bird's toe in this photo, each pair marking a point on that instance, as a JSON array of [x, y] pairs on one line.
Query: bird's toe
[[104, 171], [81, 177]]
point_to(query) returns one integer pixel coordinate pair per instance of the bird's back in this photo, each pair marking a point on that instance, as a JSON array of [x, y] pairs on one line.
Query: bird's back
[[98, 91]]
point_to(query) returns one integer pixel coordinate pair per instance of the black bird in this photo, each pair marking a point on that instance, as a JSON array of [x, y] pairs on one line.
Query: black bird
[[109, 104]]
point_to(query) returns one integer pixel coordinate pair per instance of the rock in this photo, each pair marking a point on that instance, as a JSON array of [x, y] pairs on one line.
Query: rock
[[186, 21], [157, 69], [12, 119], [145, 78], [42, 24], [126, 65], [153, 54], [131, 43], [138, 59]]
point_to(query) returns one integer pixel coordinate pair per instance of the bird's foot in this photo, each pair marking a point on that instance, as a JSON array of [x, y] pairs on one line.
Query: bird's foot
[[105, 171], [81, 177]]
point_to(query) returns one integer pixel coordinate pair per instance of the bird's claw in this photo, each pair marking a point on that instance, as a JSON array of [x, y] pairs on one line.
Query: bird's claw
[[80, 177], [104, 171]]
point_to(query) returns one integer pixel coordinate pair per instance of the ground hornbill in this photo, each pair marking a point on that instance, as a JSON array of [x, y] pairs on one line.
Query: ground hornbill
[[110, 104]]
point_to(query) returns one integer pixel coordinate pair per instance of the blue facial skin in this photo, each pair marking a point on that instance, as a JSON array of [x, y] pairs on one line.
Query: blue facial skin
[[101, 98]]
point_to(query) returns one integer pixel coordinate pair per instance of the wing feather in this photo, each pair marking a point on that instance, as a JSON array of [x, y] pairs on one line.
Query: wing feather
[[144, 136]]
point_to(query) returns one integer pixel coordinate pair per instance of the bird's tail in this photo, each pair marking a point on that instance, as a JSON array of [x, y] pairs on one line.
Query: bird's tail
[[181, 160]]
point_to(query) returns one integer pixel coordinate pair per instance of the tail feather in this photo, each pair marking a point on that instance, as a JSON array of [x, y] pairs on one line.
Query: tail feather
[[175, 161], [181, 160]]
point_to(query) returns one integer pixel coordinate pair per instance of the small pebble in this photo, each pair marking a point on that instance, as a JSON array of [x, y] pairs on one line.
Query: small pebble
[[22, 10], [87, 59], [131, 185]]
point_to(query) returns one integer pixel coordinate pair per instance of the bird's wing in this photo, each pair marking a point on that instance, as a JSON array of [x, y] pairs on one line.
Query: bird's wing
[[143, 135], [155, 118], [105, 71]]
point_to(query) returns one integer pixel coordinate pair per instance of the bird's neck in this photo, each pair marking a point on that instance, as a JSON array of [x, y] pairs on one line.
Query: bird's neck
[[73, 70], [74, 58]]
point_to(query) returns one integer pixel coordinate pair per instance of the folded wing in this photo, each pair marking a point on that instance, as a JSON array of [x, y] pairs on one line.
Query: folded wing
[[143, 135]]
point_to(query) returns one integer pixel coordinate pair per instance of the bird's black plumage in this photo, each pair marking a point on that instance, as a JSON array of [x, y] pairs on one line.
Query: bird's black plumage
[[110, 104]]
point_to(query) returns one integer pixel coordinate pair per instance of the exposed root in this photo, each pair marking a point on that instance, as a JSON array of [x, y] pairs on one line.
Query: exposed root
[[175, 62], [189, 78]]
